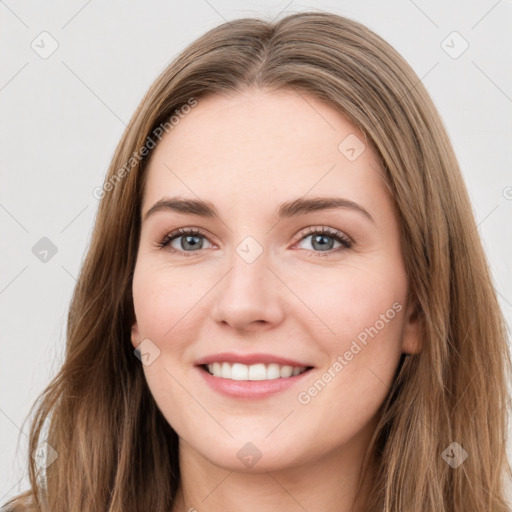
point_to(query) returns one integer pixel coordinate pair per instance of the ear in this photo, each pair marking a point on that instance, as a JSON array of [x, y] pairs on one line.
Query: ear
[[412, 342], [135, 334]]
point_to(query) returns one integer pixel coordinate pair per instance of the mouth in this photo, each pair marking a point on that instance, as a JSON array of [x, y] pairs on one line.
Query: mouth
[[253, 372], [251, 376]]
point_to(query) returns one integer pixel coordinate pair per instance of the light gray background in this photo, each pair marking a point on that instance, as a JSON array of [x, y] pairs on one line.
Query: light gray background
[[62, 116]]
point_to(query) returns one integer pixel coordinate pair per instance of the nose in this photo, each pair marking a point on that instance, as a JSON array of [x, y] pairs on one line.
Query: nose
[[249, 297]]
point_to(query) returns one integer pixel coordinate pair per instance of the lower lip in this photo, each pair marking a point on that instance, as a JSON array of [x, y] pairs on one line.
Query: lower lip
[[249, 388]]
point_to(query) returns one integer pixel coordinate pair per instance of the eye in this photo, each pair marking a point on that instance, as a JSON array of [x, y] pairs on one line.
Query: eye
[[190, 240], [324, 238]]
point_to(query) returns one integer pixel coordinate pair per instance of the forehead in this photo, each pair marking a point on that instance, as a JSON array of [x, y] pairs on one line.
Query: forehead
[[256, 147]]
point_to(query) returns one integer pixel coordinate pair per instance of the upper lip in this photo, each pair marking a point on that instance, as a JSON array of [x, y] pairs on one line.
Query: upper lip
[[249, 359]]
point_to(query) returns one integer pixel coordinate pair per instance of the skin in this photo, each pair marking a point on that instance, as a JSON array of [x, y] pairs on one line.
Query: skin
[[247, 153]]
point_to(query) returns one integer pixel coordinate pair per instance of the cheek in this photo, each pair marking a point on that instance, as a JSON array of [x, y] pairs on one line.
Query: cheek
[[361, 312], [162, 301], [345, 302], [164, 307]]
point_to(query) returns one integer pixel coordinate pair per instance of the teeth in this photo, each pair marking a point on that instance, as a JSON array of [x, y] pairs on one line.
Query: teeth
[[239, 371], [260, 371], [256, 372]]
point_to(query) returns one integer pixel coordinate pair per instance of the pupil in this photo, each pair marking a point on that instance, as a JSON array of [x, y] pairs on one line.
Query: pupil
[[187, 241], [322, 240]]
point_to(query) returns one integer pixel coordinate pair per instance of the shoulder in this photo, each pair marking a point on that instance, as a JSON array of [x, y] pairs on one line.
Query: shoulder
[[15, 506], [23, 502]]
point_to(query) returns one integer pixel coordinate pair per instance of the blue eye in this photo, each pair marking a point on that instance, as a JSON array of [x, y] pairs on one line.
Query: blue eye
[[191, 239], [322, 240]]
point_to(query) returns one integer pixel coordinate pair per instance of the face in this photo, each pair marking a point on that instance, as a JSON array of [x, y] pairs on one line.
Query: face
[[249, 288]]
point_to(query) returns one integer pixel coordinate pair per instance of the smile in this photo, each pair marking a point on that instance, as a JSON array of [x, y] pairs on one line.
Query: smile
[[260, 371]]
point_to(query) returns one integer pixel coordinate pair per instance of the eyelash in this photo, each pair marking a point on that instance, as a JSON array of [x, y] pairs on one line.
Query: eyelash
[[324, 230]]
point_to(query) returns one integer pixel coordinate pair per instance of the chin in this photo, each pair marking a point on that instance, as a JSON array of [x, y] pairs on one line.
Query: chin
[[253, 454]]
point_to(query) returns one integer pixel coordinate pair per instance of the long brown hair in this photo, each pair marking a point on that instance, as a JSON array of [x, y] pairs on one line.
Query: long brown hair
[[116, 451]]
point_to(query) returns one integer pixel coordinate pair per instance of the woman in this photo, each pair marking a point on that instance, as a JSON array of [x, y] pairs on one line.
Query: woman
[[285, 240]]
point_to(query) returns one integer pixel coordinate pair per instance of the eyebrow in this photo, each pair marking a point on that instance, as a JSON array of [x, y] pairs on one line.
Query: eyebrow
[[300, 206]]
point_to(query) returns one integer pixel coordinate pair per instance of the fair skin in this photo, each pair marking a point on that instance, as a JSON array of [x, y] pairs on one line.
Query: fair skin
[[246, 154]]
